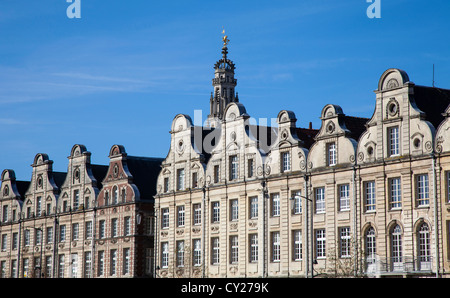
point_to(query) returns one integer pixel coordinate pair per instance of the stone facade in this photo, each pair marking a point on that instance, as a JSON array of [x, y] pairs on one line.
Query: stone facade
[[236, 198], [59, 224], [357, 197]]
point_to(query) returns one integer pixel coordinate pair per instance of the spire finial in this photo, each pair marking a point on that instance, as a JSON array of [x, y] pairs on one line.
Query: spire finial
[[225, 38]]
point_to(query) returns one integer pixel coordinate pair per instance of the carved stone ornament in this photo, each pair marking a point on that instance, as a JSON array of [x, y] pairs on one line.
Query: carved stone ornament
[[330, 127], [392, 83], [392, 108]]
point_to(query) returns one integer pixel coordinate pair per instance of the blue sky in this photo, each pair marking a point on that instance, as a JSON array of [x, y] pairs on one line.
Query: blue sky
[[120, 73]]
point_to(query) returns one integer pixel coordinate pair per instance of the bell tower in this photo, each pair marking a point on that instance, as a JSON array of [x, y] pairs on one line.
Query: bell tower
[[224, 85]]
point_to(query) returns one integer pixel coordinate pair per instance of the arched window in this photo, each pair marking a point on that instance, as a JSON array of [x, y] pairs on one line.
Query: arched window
[[371, 248], [396, 252], [124, 195], [115, 195], [423, 235]]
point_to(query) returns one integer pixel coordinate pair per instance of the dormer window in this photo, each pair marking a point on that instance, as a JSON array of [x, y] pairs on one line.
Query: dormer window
[[233, 167], [285, 161], [180, 179], [393, 141], [331, 154]]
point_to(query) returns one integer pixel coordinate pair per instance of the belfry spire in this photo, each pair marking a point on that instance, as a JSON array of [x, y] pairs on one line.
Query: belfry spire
[[224, 85]]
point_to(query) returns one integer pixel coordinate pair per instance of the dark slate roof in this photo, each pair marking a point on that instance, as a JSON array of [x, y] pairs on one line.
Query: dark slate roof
[[356, 126], [145, 171], [307, 135], [59, 178], [99, 172], [432, 101], [22, 187], [199, 141]]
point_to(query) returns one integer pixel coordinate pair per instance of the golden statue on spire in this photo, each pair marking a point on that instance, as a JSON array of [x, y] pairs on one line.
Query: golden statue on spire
[[225, 38]]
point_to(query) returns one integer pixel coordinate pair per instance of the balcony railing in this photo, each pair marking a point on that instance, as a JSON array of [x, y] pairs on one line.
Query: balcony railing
[[399, 265]]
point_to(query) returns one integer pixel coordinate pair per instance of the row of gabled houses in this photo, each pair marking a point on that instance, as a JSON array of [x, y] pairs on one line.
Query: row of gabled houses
[[91, 221], [234, 198]]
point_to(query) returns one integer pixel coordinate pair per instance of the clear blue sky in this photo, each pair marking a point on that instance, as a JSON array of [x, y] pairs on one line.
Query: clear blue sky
[[122, 72]]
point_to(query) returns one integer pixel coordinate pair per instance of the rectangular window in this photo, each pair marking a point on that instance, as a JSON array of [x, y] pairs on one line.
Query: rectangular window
[[253, 207], [114, 227], [126, 261], [395, 193], [216, 174], [297, 249], [88, 230], [285, 161], [215, 212], [76, 199], [423, 194], [197, 214], [215, 256], [75, 231], [250, 167], [4, 242], [61, 266], [15, 241], [180, 216], [165, 218], [180, 179], [113, 262], [234, 210], [39, 206], [447, 175], [102, 229], [234, 167], [345, 242], [369, 193], [87, 264], [297, 207], [127, 226], [166, 184], [344, 197], [275, 200], [320, 243], [393, 141], [331, 154], [14, 268], [3, 269], [101, 263], [38, 236], [197, 257], [194, 180], [234, 250], [180, 253], [253, 248], [320, 199], [48, 266], [276, 252], [26, 237], [164, 254], [62, 233], [5, 213], [49, 234]]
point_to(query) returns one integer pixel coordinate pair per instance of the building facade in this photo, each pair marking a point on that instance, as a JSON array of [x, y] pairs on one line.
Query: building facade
[[356, 197], [236, 198], [92, 221]]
